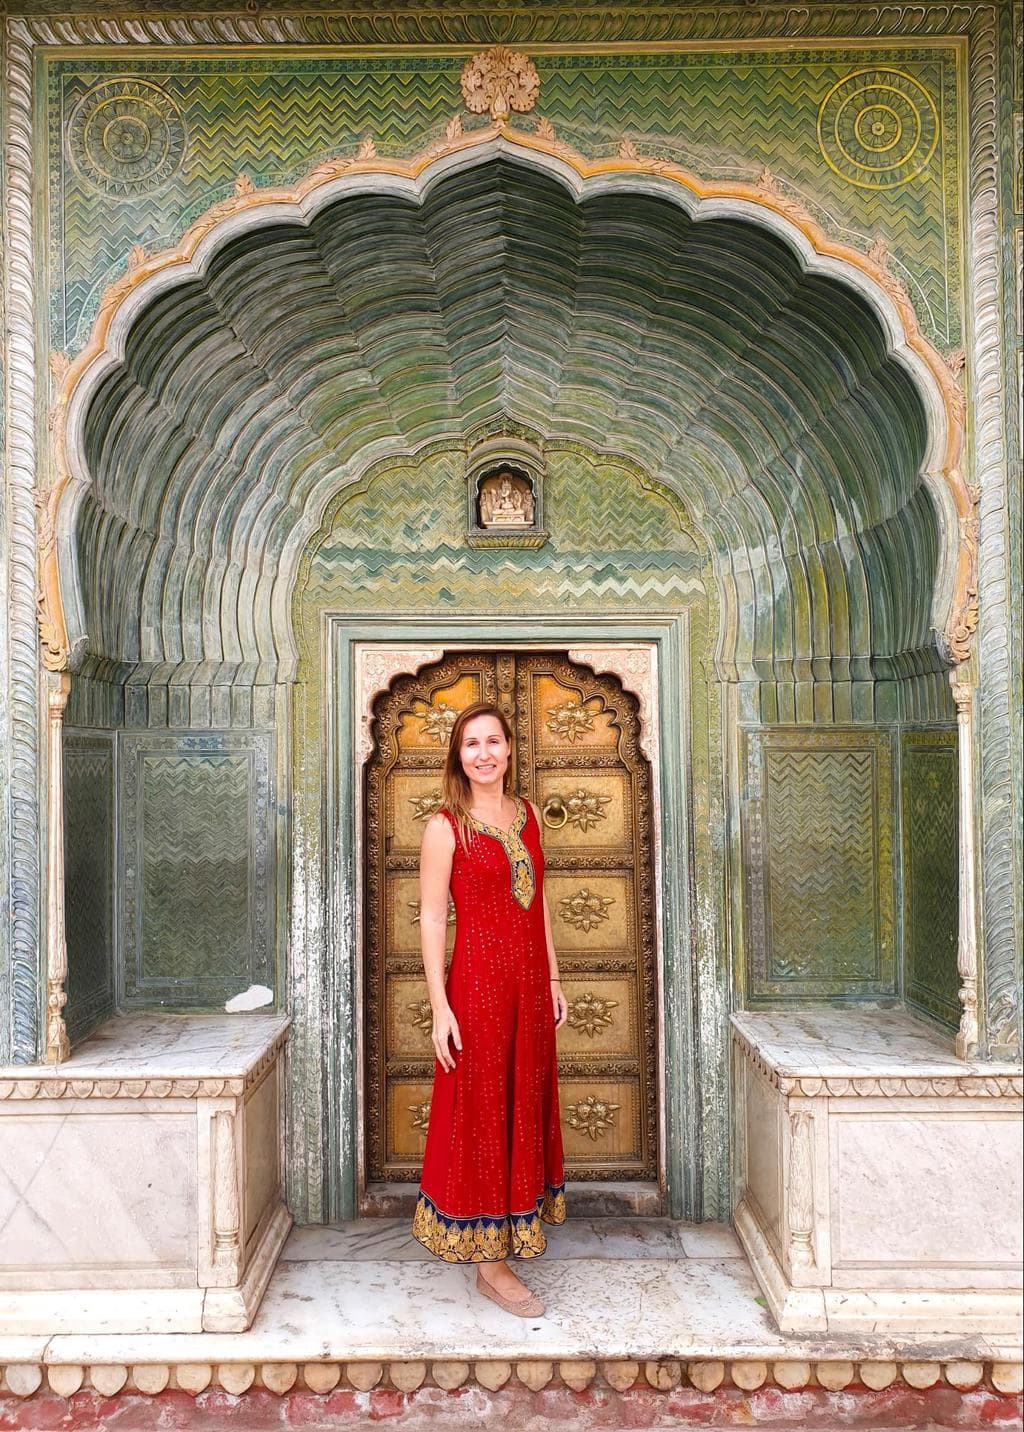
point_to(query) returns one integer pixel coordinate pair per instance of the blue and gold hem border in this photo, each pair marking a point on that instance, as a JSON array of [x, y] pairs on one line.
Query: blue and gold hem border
[[483, 1239]]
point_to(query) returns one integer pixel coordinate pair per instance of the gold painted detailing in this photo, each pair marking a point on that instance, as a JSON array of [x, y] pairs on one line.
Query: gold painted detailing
[[591, 1116], [589, 1014], [415, 907], [570, 720], [524, 882], [584, 909], [420, 1115], [555, 814], [438, 721], [423, 807], [421, 1015], [586, 808], [878, 128], [615, 963], [499, 81], [483, 1238]]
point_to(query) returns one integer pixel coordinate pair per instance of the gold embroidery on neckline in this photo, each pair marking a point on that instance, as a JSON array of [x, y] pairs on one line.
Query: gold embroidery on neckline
[[524, 883]]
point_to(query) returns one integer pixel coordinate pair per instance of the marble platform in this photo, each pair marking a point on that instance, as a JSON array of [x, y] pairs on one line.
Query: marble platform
[[614, 1289], [879, 1180], [140, 1181]]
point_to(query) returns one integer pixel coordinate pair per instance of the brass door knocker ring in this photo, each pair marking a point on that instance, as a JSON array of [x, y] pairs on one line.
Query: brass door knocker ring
[[553, 806]]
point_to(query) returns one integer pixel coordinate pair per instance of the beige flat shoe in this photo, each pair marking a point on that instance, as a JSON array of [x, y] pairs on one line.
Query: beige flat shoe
[[528, 1307]]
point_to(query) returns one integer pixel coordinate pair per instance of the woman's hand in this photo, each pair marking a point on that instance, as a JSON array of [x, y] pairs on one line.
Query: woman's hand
[[445, 1027], [558, 1004]]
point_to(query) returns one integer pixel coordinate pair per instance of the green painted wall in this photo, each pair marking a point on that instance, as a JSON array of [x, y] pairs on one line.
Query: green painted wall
[[140, 146]]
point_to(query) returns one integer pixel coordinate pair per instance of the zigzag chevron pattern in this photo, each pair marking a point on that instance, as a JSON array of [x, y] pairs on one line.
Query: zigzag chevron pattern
[[609, 539], [88, 874], [821, 865], [930, 843], [196, 862], [722, 113]]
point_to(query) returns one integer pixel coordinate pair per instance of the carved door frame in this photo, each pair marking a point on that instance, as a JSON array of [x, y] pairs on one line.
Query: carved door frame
[[623, 684], [650, 657]]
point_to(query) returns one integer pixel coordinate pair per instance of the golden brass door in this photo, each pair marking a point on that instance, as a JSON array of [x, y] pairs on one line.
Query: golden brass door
[[577, 757]]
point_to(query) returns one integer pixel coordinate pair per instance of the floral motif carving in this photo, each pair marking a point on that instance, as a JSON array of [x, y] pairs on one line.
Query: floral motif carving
[[438, 721], [570, 720], [584, 909], [415, 906], [376, 666], [421, 1016], [126, 137], [592, 1116], [499, 81], [585, 808], [423, 807], [590, 1014], [419, 1114]]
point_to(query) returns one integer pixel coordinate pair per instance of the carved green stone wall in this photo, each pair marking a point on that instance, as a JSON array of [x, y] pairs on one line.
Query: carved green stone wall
[[89, 878], [195, 867], [929, 816], [867, 135], [819, 864], [617, 541], [393, 549]]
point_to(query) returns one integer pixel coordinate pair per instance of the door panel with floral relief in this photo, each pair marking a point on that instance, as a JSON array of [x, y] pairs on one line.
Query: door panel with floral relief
[[577, 757]]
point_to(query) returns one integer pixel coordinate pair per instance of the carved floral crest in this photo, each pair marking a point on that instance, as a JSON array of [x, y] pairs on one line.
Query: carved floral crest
[[499, 81]]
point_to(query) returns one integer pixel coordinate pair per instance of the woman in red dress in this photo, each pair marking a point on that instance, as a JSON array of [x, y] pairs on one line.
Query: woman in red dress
[[492, 1168]]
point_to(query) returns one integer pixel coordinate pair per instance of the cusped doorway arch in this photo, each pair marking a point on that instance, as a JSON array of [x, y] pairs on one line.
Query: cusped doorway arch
[[772, 382]]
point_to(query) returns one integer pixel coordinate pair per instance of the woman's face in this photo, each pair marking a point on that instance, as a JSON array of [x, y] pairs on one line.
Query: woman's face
[[484, 751]]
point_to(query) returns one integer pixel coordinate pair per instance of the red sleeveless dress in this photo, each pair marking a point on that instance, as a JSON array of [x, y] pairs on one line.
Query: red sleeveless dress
[[492, 1167]]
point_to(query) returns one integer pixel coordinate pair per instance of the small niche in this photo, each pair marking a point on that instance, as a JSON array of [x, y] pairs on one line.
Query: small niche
[[505, 496]]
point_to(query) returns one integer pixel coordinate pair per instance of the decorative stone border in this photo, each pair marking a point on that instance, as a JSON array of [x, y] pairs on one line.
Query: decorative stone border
[[662, 1374], [986, 1083], [50, 1086]]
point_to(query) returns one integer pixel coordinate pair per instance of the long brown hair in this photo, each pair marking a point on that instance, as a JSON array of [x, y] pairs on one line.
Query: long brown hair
[[456, 792]]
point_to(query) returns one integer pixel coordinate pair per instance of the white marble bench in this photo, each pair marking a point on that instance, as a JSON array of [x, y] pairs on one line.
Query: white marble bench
[[878, 1177], [140, 1182]]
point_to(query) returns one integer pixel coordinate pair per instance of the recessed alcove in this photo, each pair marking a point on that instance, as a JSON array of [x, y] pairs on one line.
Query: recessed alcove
[[733, 442]]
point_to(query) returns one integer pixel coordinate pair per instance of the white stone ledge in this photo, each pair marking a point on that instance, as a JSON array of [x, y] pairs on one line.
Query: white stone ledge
[[143, 1178], [878, 1178]]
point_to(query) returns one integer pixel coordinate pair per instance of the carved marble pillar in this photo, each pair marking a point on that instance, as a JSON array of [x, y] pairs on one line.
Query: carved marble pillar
[[226, 1214], [58, 688], [967, 1039], [801, 1191]]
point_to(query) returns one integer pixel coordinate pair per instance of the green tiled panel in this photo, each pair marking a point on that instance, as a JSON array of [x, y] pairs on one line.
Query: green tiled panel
[[195, 867], [930, 906], [401, 543], [89, 878], [818, 836]]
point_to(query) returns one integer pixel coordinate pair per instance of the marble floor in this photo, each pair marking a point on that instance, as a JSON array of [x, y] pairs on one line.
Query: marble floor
[[614, 1288]]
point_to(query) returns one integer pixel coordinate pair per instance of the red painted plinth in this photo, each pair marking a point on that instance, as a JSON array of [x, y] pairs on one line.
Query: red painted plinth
[[553, 1410]]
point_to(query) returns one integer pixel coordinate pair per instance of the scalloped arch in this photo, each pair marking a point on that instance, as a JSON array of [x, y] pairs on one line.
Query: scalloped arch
[[257, 367]]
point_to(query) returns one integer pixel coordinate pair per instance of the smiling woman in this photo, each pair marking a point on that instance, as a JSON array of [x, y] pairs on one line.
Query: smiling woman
[[492, 1168]]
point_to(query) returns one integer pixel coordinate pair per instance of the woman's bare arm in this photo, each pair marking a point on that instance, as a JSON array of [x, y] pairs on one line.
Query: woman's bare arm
[[436, 854]]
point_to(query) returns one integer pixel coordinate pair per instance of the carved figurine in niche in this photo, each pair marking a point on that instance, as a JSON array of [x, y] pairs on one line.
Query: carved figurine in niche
[[506, 500]]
